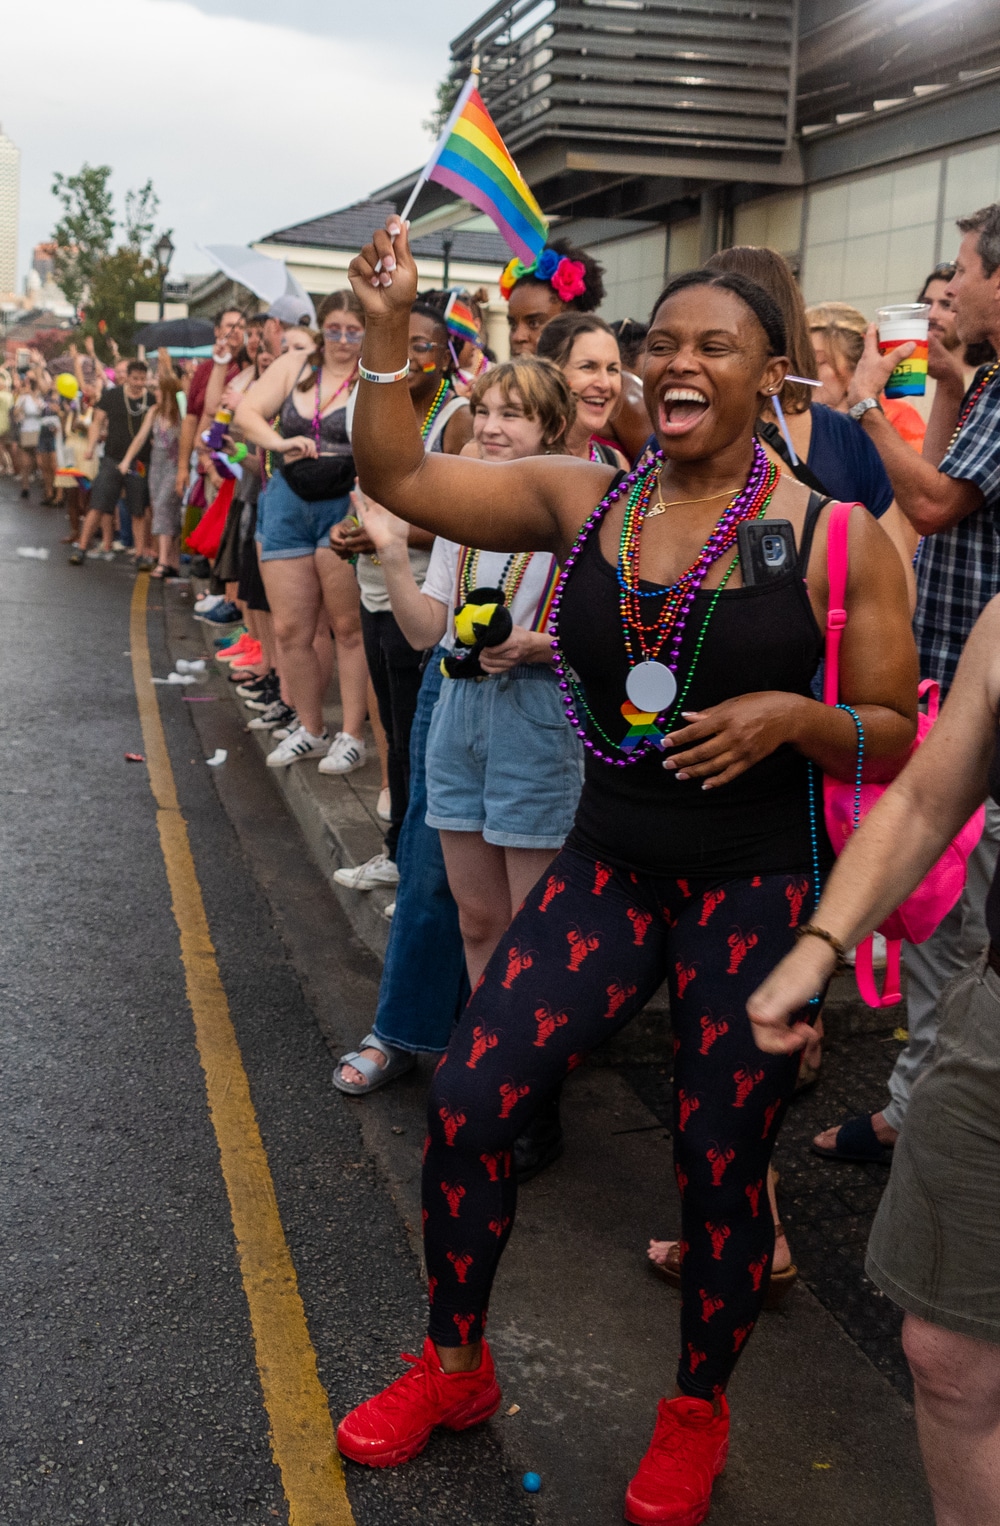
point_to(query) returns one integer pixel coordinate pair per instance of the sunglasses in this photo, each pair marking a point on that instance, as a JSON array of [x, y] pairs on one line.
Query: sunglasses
[[344, 336]]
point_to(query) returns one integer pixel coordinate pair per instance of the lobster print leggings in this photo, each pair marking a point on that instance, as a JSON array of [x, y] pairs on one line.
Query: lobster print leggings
[[586, 951]]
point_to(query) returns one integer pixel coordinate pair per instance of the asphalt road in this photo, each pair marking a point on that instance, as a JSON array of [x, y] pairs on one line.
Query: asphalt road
[[129, 1390]]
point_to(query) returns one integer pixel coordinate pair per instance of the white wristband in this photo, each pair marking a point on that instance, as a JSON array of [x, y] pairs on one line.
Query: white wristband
[[383, 377]]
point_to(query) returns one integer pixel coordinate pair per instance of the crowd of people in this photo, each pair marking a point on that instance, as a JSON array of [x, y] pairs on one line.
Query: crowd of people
[[584, 598]]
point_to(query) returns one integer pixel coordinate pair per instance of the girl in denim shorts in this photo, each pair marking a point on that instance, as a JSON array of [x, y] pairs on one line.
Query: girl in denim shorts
[[504, 768]]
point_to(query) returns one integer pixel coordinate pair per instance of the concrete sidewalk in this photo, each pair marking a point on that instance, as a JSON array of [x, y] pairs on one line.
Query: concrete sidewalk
[[584, 1336]]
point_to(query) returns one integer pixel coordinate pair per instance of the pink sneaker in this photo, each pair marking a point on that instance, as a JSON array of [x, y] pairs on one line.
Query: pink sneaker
[[396, 1424], [673, 1486]]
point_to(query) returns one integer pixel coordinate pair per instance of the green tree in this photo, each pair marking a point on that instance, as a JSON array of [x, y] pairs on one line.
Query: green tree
[[102, 280], [121, 279], [83, 234]]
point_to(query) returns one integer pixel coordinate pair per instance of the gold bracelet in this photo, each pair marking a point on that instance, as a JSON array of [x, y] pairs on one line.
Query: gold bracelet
[[810, 930]]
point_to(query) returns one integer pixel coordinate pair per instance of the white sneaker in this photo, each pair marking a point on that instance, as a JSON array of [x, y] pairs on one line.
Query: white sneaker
[[281, 732], [118, 545], [346, 754], [208, 601], [301, 744], [379, 870], [389, 911], [384, 808]]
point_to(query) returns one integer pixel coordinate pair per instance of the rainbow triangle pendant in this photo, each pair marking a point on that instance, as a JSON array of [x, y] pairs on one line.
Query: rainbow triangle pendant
[[642, 727]]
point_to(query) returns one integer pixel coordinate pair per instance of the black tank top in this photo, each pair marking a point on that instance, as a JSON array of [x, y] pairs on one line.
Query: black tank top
[[642, 818]]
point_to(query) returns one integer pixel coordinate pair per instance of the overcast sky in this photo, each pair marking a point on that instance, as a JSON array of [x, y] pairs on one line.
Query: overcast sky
[[245, 126]]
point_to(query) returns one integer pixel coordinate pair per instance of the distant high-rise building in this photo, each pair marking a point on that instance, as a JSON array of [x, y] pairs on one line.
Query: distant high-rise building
[[10, 185]]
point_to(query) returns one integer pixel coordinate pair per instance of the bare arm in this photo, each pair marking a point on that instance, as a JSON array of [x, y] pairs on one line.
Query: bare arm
[[141, 437], [422, 620], [906, 540], [97, 423], [263, 399], [930, 500], [535, 504], [900, 840], [189, 426]]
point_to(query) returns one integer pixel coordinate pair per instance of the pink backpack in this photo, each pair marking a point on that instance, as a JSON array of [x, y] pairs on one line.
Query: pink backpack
[[845, 804]]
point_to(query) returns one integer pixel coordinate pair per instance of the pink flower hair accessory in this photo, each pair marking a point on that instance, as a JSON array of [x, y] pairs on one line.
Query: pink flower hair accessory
[[569, 280]]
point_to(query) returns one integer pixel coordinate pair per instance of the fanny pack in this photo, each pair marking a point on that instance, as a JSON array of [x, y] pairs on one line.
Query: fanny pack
[[320, 477]]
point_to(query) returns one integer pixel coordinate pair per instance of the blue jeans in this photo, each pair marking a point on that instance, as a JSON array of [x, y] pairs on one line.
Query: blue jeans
[[424, 981]]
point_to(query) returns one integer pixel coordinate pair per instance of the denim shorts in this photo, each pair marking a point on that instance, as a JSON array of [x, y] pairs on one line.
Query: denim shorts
[[503, 760], [289, 526]]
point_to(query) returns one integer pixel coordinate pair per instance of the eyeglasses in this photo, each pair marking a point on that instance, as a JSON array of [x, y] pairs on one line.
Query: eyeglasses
[[344, 336], [423, 346]]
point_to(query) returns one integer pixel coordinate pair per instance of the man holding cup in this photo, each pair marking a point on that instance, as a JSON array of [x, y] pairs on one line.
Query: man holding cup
[[951, 495]]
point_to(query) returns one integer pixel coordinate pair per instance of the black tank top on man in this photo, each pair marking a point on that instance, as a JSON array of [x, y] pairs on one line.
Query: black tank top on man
[[642, 818]]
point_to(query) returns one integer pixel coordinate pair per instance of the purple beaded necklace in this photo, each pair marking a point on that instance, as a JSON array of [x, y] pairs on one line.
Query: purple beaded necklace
[[751, 501]]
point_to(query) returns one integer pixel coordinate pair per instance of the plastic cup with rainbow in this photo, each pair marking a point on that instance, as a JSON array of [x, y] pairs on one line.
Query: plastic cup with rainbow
[[902, 324]]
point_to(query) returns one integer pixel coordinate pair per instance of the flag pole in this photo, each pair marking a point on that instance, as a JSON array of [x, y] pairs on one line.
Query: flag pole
[[445, 134]]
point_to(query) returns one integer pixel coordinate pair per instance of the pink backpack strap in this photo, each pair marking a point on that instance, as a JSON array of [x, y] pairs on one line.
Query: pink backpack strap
[[836, 612], [864, 971]]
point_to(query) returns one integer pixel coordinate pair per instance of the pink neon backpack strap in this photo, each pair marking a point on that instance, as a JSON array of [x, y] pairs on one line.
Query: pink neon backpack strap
[[836, 613], [890, 995]]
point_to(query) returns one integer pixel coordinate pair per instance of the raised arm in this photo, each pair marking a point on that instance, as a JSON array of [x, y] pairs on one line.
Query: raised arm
[[535, 504], [422, 620], [899, 841], [930, 500]]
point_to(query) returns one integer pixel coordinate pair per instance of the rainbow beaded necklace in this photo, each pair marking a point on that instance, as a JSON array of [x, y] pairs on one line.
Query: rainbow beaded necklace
[[643, 643]]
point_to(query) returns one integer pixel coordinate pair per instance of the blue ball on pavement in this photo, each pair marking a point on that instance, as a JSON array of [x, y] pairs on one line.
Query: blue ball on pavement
[[532, 1482]]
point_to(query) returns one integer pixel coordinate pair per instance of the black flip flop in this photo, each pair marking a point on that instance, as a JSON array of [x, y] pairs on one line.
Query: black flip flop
[[857, 1142]]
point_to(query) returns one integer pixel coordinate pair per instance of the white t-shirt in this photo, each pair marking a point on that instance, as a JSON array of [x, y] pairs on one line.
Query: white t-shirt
[[532, 601]]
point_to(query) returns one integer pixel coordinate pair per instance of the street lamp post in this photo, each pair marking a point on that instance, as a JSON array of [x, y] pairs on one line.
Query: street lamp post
[[163, 252]]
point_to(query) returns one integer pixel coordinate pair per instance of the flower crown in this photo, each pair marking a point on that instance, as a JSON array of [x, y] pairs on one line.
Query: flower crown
[[568, 278]]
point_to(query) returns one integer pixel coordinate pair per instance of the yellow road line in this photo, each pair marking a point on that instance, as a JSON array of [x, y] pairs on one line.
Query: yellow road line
[[302, 1439]]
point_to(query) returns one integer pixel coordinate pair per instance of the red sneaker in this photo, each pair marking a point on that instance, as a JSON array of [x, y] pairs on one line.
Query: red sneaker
[[227, 653], [673, 1486], [250, 657], [396, 1424]]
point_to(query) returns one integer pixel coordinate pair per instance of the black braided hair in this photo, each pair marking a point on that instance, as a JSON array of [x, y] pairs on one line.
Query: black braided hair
[[763, 306]]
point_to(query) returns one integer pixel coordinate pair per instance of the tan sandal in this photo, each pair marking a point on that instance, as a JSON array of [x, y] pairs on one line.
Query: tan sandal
[[777, 1288]]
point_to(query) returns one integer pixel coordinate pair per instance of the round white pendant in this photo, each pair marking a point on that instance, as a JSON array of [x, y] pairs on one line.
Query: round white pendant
[[651, 687]]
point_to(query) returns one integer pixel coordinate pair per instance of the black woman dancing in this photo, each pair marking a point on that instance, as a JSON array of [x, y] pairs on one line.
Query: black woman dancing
[[698, 842]]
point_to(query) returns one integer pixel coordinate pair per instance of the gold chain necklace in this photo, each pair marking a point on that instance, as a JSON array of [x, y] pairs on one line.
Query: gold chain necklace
[[661, 507]]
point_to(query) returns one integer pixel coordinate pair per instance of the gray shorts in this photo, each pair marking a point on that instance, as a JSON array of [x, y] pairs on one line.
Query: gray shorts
[[935, 1243]]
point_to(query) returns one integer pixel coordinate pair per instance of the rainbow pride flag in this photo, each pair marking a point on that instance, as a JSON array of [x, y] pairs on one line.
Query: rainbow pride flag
[[461, 320], [471, 159]]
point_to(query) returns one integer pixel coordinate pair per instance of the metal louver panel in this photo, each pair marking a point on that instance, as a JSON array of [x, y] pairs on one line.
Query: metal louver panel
[[697, 75]]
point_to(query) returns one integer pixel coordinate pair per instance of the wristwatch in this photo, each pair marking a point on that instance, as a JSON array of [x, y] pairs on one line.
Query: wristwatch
[[859, 410]]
